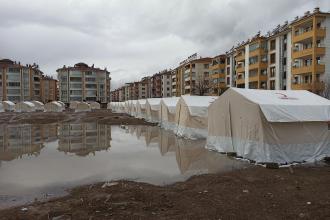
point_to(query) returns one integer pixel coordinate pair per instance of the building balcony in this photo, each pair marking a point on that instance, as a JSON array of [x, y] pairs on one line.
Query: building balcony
[[240, 69], [240, 81], [258, 52], [308, 52], [187, 87], [319, 86], [218, 75], [217, 66], [258, 65], [319, 32], [240, 58], [253, 66], [320, 68], [220, 85], [173, 83]]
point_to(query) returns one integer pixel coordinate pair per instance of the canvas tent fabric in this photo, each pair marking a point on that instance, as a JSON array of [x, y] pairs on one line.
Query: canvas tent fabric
[[25, 107], [133, 111], [152, 110], [83, 107], [141, 108], [191, 116], [270, 126], [73, 104], [121, 107], [2, 109], [8, 106], [62, 103], [95, 105], [53, 106], [167, 112], [39, 106]]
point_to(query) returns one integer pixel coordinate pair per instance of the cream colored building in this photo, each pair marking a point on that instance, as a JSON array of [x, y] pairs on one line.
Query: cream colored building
[[83, 83]]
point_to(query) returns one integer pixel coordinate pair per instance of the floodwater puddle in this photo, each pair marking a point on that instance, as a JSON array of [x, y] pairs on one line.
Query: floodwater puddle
[[43, 161]]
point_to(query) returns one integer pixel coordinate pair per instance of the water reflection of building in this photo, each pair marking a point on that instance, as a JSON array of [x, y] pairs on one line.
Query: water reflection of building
[[18, 140], [191, 155], [84, 138]]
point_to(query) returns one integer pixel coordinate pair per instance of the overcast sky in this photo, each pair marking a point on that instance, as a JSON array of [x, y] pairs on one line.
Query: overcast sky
[[134, 38]]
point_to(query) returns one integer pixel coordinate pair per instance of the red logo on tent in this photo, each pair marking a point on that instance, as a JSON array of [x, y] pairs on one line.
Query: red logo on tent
[[284, 96]]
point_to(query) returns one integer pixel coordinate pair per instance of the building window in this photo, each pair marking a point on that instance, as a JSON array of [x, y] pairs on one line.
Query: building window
[[272, 45], [272, 84], [206, 66], [272, 72], [14, 84], [272, 58]]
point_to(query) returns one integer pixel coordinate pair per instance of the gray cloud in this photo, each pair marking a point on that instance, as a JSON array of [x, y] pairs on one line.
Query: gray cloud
[[134, 38]]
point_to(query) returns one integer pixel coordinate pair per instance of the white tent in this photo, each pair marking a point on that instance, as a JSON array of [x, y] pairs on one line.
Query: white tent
[[94, 105], [25, 107], [167, 112], [8, 106], [53, 106], [62, 103], [127, 107], [109, 105], [83, 107], [270, 126], [2, 109], [73, 104], [133, 105], [121, 108], [141, 108], [152, 110], [39, 106], [191, 116]]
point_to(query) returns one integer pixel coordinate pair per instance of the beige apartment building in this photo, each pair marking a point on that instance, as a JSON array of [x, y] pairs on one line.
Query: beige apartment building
[[311, 52], [49, 89], [84, 83], [25, 83], [191, 76]]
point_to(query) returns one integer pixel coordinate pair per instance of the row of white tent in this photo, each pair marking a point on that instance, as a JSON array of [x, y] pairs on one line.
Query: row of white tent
[[54, 106], [31, 106], [260, 125]]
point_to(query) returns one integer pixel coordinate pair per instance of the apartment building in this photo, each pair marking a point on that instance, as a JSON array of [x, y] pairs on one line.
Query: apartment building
[[177, 80], [19, 82], [311, 52], [217, 70], [114, 96], [83, 83], [143, 88], [49, 90], [166, 83], [279, 58], [156, 85], [121, 94], [174, 82], [196, 77], [252, 63], [230, 68]]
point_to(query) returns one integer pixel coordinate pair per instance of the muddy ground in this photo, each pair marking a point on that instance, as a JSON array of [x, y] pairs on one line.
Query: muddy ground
[[257, 193], [103, 116]]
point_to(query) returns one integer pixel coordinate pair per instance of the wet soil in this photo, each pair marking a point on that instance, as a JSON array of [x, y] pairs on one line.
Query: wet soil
[[102, 116], [257, 193]]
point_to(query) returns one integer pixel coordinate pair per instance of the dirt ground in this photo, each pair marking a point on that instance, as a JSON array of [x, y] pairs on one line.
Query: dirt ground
[[257, 193], [103, 116]]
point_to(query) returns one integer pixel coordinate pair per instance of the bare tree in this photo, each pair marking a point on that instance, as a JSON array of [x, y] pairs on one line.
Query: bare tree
[[326, 92], [201, 86]]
